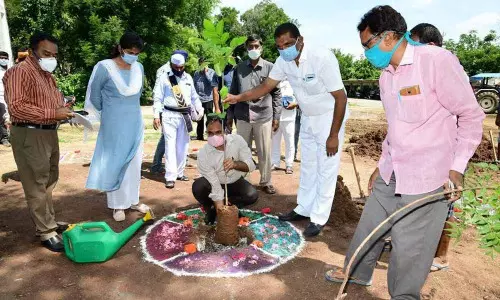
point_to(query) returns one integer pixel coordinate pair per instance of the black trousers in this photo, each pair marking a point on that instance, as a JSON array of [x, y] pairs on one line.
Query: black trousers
[[200, 129], [240, 193], [4, 134]]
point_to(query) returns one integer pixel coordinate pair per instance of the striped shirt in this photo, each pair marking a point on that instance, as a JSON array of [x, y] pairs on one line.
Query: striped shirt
[[31, 93]]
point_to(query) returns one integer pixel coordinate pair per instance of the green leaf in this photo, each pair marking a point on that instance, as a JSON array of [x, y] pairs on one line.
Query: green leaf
[[482, 165], [226, 106], [196, 41], [208, 25], [491, 237], [231, 60], [223, 92], [494, 167], [224, 38], [220, 27], [235, 42], [222, 115], [218, 69]]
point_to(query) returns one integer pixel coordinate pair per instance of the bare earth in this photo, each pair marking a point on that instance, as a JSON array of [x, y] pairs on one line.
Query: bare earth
[[29, 271]]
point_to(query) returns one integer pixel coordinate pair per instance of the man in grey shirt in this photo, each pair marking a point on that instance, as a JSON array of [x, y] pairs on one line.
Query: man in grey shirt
[[256, 119], [206, 84]]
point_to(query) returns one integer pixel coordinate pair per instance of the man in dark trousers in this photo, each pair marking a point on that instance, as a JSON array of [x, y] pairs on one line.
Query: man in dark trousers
[[206, 84]]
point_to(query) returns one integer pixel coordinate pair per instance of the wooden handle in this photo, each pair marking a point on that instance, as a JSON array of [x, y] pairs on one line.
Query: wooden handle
[[358, 178], [493, 145]]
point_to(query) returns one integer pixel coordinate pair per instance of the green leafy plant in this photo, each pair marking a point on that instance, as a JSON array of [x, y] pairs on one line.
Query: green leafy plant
[[218, 48], [481, 208]]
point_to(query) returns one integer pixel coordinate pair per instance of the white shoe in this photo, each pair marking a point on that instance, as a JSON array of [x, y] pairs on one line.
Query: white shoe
[[119, 215], [143, 208]]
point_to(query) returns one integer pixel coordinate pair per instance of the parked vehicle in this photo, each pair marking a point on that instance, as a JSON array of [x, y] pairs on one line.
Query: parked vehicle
[[486, 86]]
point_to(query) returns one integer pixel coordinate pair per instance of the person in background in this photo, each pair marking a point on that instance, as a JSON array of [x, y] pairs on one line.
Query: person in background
[[314, 75], [114, 95], [258, 117], [22, 54], [428, 34], [434, 128], [4, 112], [157, 167], [207, 87], [176, 99], [36, 106], [286, 129], [225, 159]]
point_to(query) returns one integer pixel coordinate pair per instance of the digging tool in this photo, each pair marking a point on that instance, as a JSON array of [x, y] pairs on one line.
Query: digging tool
[[358, 179], [493, 145]]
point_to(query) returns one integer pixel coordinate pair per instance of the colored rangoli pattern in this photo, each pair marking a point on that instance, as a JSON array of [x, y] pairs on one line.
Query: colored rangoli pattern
[[163, 244]]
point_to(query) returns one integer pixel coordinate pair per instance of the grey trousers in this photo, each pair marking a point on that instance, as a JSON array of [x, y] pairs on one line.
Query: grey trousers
[[262, 134], [414, 239]]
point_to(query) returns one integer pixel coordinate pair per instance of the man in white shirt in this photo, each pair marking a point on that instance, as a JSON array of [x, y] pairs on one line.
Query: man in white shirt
[[225, 159], [4, 113], [286, 129], [176, 99], [314, 75]]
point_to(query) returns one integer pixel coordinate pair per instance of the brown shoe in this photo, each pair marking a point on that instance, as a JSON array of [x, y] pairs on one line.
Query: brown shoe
[[269, 189]]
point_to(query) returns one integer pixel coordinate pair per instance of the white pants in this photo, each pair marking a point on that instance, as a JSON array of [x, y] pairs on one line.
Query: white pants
[[287, 130], [318, 172], [176, 145], [128, 193]]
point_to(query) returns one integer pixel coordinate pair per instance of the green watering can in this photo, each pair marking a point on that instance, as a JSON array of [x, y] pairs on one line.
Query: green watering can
[[96, 241]]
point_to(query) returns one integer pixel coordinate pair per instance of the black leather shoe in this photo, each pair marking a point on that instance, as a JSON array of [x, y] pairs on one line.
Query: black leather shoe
[[292, 216], [312, 229], [210, 216], [61, 228], [54, 244], [170, 184], [183, 178]]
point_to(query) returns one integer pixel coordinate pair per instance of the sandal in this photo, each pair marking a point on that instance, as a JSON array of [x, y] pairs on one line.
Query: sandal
[[119, 215], [143, 208], [331, 276], [438, 266]]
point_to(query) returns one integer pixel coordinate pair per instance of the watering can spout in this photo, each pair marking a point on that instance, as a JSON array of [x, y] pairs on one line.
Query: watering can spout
[[126, 234]]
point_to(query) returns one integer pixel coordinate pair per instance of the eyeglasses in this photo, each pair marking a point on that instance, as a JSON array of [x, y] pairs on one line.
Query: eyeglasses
[[365, 44]]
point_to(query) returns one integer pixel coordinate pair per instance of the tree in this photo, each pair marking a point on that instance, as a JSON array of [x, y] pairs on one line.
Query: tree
[[231, 24], [475, 54], [87, 31], [262, 20]]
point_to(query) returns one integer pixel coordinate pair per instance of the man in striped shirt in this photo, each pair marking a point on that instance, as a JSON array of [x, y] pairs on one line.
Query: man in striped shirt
[[36, 106]]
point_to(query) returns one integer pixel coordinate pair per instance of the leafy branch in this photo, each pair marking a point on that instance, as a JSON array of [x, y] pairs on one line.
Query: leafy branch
[[480, 208], [219, 50]]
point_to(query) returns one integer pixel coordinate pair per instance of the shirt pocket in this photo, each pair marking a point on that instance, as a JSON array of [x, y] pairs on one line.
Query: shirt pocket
[[313, 86], [411, 109]]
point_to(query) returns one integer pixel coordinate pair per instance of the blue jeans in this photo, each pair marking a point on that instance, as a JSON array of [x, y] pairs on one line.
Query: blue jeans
[[159, 153]]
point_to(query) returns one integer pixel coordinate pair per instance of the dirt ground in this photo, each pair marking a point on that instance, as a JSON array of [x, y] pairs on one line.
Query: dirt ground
[[29, 271]]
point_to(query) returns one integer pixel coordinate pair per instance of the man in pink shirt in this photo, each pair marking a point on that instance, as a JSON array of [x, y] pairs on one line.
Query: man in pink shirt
[[434, 127]]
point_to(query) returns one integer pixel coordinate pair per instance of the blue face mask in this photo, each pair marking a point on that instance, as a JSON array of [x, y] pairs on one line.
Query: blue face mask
[[380, 59], [129, 58], [289, 53]]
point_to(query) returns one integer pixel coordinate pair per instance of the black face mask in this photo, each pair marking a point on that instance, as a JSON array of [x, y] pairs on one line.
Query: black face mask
[[178, 73]]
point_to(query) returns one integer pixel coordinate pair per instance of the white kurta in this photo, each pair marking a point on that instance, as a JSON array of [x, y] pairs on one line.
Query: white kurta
[[173, 123], [317, 75]]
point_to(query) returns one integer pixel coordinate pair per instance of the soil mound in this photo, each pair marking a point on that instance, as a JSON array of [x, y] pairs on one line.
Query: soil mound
[[344, 209]]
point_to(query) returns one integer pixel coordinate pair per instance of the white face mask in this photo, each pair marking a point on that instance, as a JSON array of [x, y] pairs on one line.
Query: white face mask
[[48, 64], [4, 62], [254, 53]]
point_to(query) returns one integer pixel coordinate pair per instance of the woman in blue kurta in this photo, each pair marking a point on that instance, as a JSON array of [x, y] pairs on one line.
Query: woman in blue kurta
[[113, 97]]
